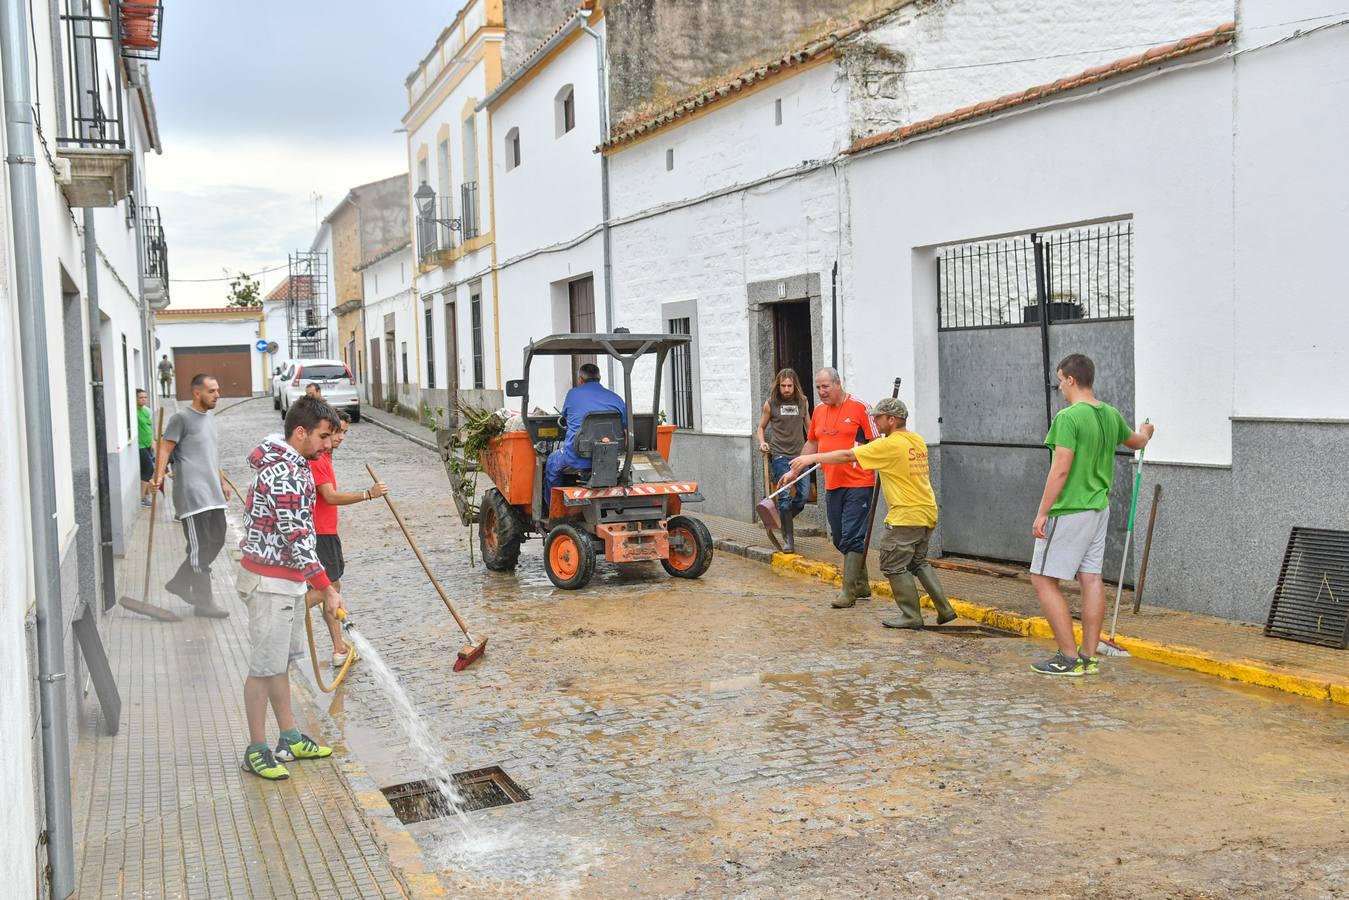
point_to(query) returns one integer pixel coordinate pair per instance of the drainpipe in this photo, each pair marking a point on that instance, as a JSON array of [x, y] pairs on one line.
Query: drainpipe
[[604, 180], [20, 166], [100, 415]]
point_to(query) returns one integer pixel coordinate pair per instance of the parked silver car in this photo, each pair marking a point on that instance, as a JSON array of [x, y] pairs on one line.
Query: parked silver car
[[334, 380]]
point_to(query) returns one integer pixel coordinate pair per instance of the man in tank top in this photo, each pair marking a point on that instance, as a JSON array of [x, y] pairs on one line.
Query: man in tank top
[[782, 434]]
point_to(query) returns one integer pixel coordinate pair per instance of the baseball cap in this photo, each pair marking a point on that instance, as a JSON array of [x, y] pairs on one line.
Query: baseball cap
[[890, 406]]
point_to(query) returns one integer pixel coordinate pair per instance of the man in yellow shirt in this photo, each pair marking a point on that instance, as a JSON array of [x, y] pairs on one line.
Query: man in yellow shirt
[[900, 458]]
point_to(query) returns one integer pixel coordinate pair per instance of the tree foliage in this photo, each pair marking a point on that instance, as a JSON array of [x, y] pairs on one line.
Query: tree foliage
[[244, 291]]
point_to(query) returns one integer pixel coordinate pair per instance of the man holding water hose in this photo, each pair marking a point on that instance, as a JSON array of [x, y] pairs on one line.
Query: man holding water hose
[[280, 563], [1070, 525]]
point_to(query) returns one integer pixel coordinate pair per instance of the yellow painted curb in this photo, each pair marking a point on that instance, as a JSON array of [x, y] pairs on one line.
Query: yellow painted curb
[[1181, 657]]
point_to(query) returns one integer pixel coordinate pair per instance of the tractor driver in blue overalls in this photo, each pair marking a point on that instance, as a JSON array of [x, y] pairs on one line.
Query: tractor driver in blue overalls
[[588, 396]]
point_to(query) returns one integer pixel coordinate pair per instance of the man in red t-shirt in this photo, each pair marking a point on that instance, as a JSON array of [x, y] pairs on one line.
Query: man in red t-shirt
[[840, 422], [325, 528]]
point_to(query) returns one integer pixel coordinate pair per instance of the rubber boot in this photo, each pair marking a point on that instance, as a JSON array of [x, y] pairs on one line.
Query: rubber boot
[[203, 600], [863, 589], [932, 584], [788, 533], [906, 598], [851, 563]]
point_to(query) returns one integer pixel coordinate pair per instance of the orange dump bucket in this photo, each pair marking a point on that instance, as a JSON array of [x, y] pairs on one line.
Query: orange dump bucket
[[509, 462], [664, 438]]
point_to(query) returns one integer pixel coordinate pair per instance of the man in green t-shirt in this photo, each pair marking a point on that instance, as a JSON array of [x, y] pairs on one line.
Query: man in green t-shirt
[[145, 439], [1070, 525]]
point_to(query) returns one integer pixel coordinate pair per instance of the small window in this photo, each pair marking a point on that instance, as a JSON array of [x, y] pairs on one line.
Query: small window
[[669, 160], [512, 149], [405, 362], [564, 107], [777, 112]]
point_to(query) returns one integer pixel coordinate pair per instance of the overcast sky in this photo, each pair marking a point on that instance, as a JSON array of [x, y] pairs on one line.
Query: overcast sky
[[263, 104]]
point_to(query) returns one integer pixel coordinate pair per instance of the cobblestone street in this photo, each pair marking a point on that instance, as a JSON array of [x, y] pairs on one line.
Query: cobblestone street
[[735, 735]]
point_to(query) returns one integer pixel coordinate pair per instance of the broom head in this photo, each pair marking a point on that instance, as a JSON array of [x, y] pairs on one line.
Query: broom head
[[149, 610], [767, 508], [469, 655]]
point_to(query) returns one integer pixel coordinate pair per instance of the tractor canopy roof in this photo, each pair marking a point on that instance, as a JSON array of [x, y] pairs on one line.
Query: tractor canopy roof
[[615, 345]]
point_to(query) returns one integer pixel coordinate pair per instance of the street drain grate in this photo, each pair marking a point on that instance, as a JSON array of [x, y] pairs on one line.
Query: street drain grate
[[417, 801], [974, 631]]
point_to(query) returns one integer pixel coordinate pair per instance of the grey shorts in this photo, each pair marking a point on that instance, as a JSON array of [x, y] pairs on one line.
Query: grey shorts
[[275, 627], [1073, 543]]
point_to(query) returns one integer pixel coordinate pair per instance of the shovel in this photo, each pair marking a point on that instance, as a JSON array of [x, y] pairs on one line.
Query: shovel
[[768, 510], [141, 606]]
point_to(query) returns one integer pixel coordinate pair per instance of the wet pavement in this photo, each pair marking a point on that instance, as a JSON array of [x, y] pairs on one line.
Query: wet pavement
[[736, 736]]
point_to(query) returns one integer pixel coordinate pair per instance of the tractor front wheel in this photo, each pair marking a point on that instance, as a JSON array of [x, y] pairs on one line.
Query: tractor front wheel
[[499, 533], [569, 557], [690, 547]]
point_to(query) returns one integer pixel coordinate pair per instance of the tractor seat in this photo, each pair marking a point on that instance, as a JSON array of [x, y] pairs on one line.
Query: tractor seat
[[602, 441]]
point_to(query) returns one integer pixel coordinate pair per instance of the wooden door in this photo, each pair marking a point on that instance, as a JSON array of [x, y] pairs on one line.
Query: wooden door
[[376, 380], [231, 367]]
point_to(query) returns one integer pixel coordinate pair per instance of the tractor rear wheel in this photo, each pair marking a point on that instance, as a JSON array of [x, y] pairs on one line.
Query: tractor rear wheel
[[499, 532], [569, 557], [690, 547]]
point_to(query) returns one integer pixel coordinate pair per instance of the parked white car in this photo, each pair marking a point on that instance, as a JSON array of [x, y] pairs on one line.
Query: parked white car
[[334, 380]]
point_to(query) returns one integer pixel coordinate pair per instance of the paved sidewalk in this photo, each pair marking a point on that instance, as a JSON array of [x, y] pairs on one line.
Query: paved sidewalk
[[162, 809], [1220, 647]]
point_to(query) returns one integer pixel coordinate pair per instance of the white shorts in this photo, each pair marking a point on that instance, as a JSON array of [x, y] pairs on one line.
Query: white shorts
[[275, 627], [1073, 543]]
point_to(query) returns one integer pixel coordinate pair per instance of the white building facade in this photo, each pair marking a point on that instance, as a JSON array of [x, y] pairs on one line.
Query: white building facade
[[103, 264], [822, 210], [390, 312], [547, 190], [450, 151]]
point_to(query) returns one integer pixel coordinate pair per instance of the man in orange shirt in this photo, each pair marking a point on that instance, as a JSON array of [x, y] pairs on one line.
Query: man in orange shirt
[[841, 423]]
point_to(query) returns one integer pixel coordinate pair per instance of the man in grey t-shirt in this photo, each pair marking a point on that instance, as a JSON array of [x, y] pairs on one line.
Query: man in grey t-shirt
[[199, 494]]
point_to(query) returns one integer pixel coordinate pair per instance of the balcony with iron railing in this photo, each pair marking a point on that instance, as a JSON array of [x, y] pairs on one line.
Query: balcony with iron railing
[[142, 24], [92, 136], [154, 258], [437, 230]]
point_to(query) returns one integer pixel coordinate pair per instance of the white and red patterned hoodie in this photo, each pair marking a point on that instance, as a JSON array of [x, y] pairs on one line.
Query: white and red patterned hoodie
[[279, 538]]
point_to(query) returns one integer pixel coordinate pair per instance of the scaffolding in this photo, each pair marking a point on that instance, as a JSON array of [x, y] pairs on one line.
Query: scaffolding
[[307, 305]]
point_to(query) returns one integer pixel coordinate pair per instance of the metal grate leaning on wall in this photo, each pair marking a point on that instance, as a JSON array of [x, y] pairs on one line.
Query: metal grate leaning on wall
[[1078, 273], [1311, 597]]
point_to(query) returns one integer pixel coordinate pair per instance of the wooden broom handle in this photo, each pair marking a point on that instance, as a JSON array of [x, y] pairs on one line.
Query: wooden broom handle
[[154, 506], [421, 559]]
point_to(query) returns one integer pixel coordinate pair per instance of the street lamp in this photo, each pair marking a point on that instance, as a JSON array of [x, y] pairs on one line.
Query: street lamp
[[426, 208]]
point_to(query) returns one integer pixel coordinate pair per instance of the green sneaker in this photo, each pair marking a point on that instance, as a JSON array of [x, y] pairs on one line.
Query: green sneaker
[[1059, 664], [305, 748], [262, 764], [1091, 665]]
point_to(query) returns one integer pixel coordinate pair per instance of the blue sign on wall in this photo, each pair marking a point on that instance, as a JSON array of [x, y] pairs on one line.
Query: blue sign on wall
[[261, 346]]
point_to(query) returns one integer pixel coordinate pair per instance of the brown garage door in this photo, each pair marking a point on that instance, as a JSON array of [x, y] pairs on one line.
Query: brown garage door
[[231, 366]]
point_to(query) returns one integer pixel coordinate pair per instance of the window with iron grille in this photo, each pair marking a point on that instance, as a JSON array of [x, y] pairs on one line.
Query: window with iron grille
[[681, 375], [475, 317], [1076, 273], [430, 349]]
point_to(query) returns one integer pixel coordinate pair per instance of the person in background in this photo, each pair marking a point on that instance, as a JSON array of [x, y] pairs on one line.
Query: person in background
[[145, 441], [329, 544], [313, 390], [200, 493], [841, 423], [899, 457], [165, 376], [782, 434], [279, 565], [1070, 525]]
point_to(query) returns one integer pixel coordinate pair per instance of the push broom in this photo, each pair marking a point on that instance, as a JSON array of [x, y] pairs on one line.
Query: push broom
[[1108, 646], [768, 510], [470, 652]]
